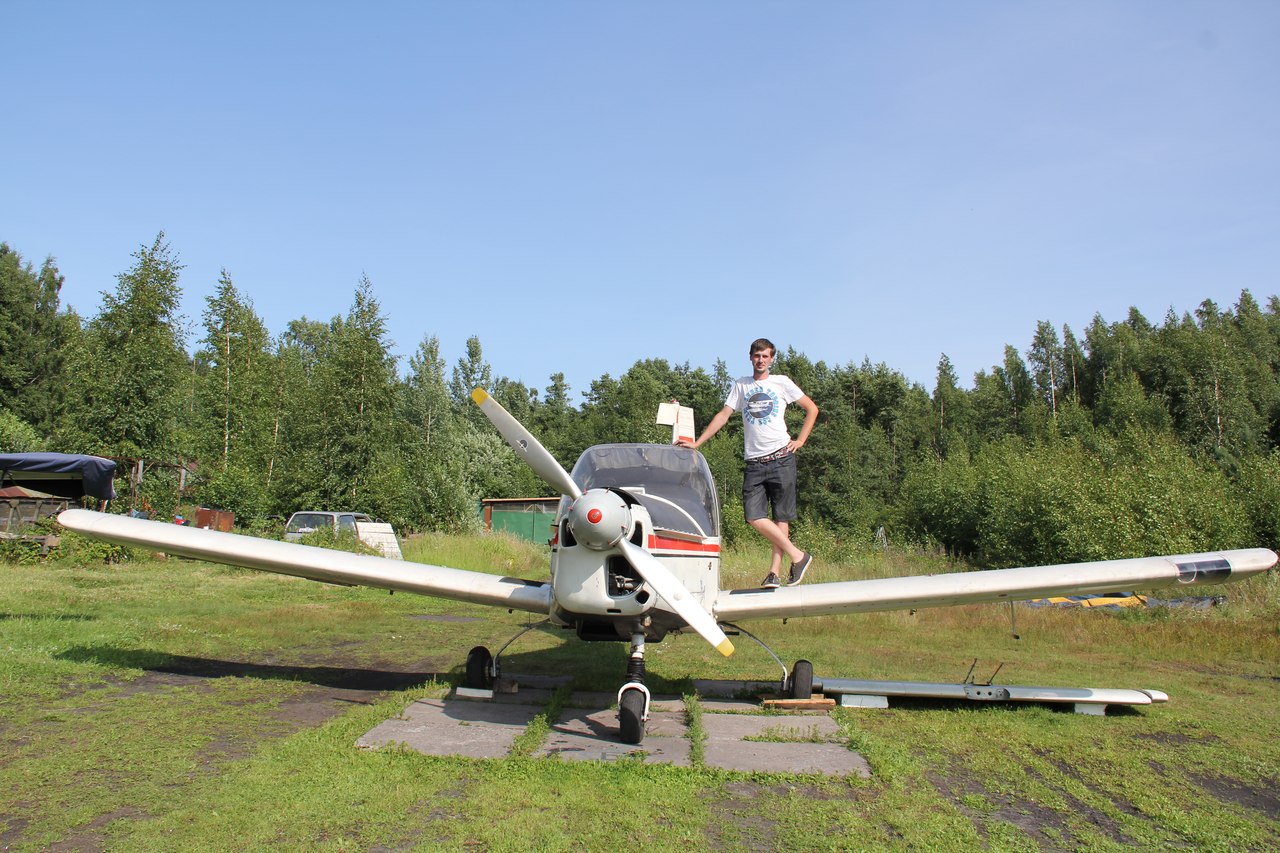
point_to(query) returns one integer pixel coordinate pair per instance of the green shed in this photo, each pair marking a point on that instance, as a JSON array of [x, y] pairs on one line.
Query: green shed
[[533, 519]]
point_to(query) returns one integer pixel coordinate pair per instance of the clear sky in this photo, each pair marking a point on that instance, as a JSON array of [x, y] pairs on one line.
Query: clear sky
[[584, 183]]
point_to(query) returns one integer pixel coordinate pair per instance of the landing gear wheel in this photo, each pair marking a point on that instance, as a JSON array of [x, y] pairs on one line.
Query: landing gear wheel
[[479, 669], [800, 684], [631, 716]]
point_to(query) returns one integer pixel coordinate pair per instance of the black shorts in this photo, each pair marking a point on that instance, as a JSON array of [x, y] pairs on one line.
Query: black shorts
[[770, 484]]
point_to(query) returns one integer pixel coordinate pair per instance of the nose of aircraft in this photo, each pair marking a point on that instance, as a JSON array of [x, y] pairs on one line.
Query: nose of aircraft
[[599, 519]]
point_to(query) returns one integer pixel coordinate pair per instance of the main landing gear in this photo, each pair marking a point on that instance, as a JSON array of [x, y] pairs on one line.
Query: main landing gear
[[482, 666], [481, 670]]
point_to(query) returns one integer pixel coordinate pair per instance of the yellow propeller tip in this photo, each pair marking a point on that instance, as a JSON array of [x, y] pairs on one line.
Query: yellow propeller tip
[[725, 648], [479, 395]]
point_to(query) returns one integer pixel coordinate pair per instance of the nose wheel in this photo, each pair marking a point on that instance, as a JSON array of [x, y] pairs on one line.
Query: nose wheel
[[633, 698]]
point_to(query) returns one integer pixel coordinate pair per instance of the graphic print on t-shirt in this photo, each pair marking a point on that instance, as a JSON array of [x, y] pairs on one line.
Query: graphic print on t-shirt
[[762, 405]]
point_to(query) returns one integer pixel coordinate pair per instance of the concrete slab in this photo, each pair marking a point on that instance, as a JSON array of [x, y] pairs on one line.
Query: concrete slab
[[794, 728], [790, 748], [730, 706], [828, 759], [795, 742], [581, 735], [454, 727]]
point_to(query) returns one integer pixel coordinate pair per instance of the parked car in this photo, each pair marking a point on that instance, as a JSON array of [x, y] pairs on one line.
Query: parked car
[[376, 534]]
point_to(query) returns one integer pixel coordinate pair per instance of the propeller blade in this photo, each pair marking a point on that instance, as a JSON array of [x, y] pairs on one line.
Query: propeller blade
[[526, 446], [674, 593]]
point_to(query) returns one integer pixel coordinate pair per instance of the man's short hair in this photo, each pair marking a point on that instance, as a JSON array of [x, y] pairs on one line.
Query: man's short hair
[[763, 344]]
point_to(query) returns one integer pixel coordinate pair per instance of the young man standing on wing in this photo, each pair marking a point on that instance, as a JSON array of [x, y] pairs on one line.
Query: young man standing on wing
[[770, 478]]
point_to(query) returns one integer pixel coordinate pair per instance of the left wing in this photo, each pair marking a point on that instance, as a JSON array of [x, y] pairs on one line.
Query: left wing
[[308, 561], [993, 585]]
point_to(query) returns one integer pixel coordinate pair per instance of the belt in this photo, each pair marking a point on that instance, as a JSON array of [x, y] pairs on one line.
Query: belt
[[774, 456]]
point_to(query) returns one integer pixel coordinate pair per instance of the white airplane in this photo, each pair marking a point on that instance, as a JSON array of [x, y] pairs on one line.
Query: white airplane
[[636, 556]]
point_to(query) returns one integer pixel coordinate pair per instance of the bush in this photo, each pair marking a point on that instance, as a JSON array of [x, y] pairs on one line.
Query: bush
[[17, 436], [1258, 490], [1063, 501], [237, 491]]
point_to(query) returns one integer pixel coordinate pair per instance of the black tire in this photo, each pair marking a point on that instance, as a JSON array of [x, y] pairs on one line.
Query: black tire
[[801, 680], [631, 716], [479, 669]]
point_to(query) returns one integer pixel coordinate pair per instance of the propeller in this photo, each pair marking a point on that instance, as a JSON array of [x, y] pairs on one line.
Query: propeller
[[526, 446], [601, 520], [676, 595]]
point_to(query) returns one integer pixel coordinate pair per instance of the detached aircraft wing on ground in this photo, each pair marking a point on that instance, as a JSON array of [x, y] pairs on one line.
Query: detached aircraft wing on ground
[[636, 555]]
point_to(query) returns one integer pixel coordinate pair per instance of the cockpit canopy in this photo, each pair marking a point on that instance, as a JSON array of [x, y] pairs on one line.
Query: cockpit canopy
[[673, 483]]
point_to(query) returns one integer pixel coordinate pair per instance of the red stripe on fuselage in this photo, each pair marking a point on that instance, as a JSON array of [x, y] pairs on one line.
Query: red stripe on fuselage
[[659, 543]]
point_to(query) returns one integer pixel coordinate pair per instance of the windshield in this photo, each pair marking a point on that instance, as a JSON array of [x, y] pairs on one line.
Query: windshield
[[673, 483], [309, 521]]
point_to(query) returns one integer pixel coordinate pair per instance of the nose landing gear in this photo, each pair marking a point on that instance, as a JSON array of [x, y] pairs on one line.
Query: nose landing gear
[[633, 698]]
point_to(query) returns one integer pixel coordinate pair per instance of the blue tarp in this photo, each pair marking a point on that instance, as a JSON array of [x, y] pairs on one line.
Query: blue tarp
[[67, 475]]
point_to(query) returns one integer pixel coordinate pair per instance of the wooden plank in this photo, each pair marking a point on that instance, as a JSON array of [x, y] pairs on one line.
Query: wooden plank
[[815, 702]]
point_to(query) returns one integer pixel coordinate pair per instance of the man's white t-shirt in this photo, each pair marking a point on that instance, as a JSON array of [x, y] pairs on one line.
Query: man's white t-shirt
[[763, 403]]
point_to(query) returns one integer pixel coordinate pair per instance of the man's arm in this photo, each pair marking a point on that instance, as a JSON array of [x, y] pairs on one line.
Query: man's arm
[[810, 418], [721, 418]]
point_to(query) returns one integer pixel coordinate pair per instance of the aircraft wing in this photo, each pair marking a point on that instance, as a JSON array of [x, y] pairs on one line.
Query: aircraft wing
[[308, 561], [993, 585]]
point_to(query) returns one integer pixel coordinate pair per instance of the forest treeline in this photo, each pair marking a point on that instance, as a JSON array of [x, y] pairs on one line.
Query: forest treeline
[[1131, 438]]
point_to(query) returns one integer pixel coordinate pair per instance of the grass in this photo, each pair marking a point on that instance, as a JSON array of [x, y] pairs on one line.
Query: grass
[[159, 704]]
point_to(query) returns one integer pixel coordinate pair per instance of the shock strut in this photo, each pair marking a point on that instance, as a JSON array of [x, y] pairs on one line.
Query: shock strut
[[635, 665]]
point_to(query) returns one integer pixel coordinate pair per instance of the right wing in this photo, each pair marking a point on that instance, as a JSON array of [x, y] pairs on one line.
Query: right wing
[[1021, 584], [308, 561]]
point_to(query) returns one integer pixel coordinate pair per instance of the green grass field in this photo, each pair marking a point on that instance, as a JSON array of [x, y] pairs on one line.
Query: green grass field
[[166, 704]]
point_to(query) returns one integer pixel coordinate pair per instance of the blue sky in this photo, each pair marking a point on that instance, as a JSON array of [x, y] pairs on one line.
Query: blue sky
[[586, 184]]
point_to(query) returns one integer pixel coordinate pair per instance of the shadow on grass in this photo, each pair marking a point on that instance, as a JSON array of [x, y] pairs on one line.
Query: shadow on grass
[[346, 678], [593, 666]]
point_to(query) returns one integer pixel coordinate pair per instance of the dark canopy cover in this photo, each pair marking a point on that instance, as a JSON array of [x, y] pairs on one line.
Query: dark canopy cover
[[66, 475]]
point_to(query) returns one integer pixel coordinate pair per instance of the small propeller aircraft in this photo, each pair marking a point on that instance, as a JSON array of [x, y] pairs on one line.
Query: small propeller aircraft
[[636, 556]]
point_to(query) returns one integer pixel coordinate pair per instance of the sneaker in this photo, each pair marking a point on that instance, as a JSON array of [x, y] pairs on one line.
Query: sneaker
[[771, 581], [798, 569]]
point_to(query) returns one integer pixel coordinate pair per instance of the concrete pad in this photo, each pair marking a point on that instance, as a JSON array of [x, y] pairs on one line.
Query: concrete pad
[[828, 759], [487, 729], [794, 728], [454, 727], [730, 706], [581, 735], [726, 746], [523, 696]]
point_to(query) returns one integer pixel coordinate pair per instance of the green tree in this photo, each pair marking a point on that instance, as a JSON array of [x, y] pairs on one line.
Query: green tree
[[234, 396], [1048, 368], [33, 335], [123, 395], [469, 373], [951, 408]]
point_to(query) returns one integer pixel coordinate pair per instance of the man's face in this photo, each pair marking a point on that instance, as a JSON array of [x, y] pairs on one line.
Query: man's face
[[761, 360]]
